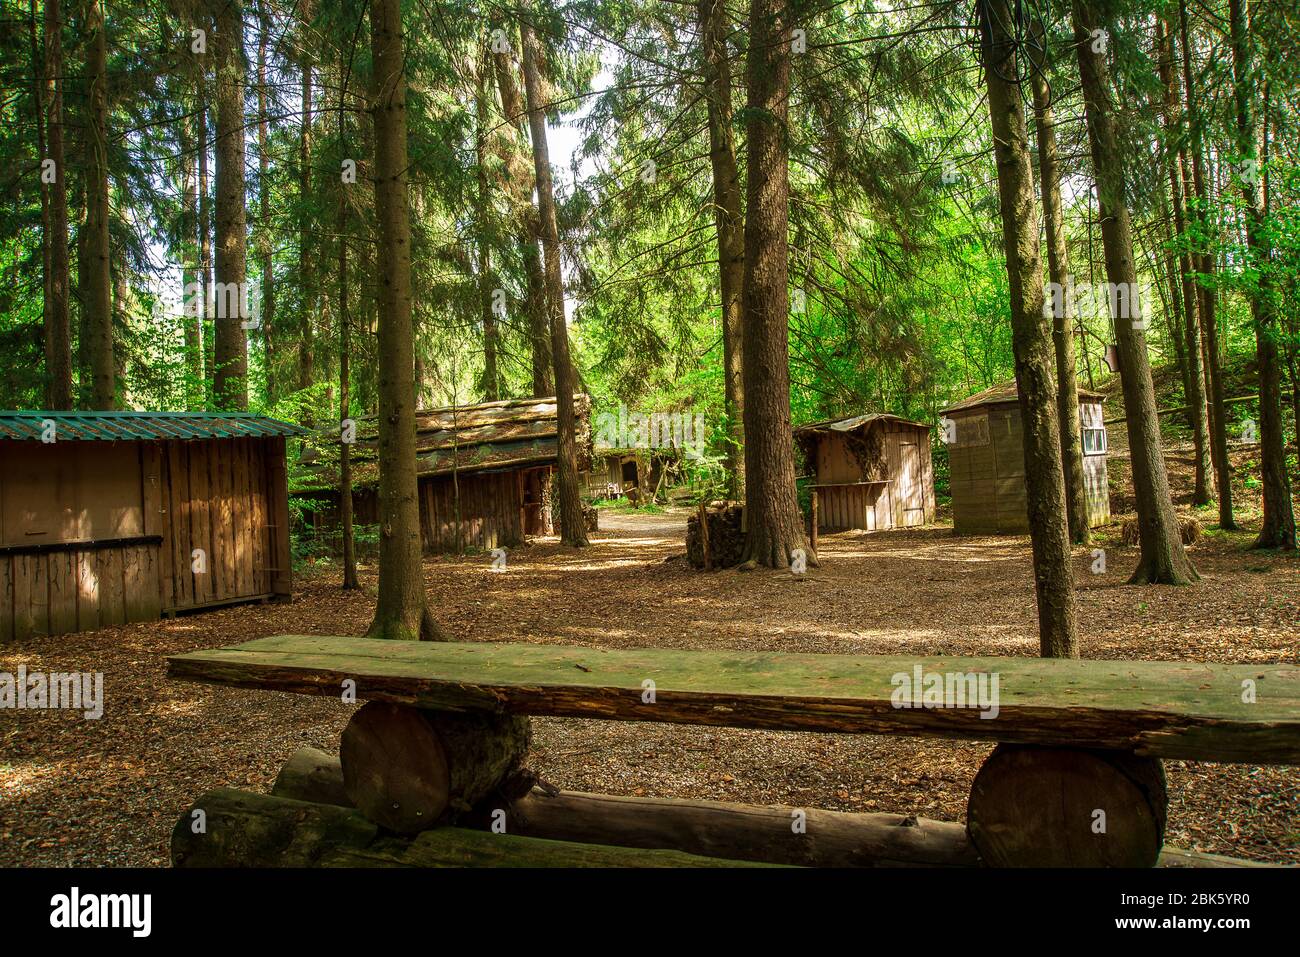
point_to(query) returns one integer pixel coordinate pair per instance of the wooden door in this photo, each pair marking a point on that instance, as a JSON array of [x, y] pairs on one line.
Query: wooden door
[[911, 491]]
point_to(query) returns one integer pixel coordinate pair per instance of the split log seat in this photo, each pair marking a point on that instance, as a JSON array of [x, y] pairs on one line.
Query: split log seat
[[1076, 778]]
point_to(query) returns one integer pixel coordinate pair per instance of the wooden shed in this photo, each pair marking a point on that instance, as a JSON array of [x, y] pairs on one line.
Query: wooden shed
[[987, 462], [872, 472], [484, 473], [114, 517]]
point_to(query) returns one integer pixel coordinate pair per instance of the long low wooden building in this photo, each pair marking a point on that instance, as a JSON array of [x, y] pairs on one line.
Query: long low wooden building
[[484, 473], [986, 461], [872, 472], [115, 517]]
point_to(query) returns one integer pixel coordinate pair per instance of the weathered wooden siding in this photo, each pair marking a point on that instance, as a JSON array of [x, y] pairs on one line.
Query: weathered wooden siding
[[482, 510], [987, 471], [901, 496], [59, 590], [115, 541], [227, 498], [1096, 484]]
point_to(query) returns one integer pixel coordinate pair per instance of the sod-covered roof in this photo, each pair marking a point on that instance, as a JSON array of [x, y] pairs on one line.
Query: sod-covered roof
[[508, 434]]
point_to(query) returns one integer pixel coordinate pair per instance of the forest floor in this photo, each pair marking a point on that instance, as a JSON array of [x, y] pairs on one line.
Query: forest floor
[[107, 792]]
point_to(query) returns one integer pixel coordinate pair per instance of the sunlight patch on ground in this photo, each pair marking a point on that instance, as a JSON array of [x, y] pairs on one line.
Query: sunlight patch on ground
[[28, 779]]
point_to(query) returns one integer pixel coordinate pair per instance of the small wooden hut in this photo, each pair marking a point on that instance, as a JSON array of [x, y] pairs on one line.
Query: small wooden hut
[[484, 473], [872, 472], [613, 472], [987, 462], [114, 517]]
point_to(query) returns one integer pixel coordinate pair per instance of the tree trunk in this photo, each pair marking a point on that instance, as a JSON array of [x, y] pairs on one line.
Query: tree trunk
[[58, 326], [401, 611], [345, 399], [306, 296], [1278, 527], [191, 315], [490, 383], [774, 525], [38, 67], [1163, 559], [230, 349], [265, 230], [729, 224], [523, 181], [1058, 267], [202, 318], [573, 529], [97, 296], [1031, 341], [1217, 421], [1191, 333]]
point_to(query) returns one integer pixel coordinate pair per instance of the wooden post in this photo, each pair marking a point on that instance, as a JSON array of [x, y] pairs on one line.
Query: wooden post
[[704, 537], [812, 521], [277, 495]]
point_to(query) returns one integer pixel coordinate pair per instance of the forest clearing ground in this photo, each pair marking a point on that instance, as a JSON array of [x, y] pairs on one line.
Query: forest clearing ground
[[108, 791]]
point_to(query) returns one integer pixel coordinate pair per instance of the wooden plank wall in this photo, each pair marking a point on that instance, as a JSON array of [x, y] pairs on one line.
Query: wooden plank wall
[[228, 498], [907, 501], [489, 511], [988, 482], [975, 471], [56, 592]]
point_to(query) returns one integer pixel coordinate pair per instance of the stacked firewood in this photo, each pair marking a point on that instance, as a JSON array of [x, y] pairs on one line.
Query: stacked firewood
[[726, 539]]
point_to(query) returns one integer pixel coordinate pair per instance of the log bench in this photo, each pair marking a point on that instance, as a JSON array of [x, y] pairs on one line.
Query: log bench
[[435, 757]]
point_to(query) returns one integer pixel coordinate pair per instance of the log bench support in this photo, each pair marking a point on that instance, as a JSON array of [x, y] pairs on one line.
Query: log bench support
[[410, 770], [432, 768], [1067, 807]]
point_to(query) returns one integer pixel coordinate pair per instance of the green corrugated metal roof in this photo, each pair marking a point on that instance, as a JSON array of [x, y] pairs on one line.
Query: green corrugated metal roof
[[141, 426]]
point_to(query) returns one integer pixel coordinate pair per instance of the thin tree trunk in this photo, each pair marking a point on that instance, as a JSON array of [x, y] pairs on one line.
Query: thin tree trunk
[[523, 179], [1058, 267], [1278, 526], [58, 327], [191, 315], [202, 319], [1216, 420], [97, 298], [264, 237], [1187, 290], [38, 73], [730, 227], [1163, 559], [350, 582], [306, 295], [402, 610], [490, 384], [775, 528], [573, 528], [345, 403], [230, 348], [538, 325], [1031, 332]]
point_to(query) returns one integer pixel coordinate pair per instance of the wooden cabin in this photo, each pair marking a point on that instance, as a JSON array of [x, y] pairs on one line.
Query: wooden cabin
[[484, 473], [115, 517], [613, 473], [987, 462], [872, 472]]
